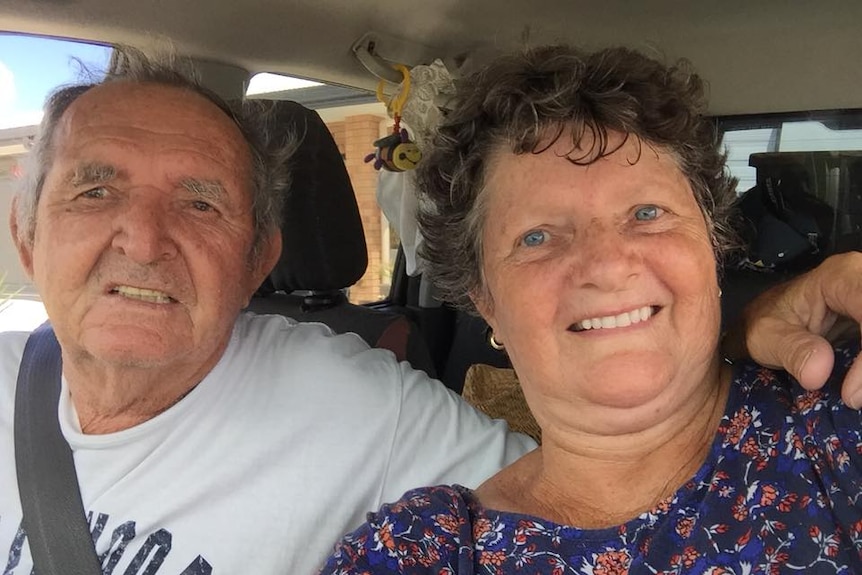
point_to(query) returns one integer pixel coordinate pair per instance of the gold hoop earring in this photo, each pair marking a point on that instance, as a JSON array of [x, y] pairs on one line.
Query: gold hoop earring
[[494, 343]]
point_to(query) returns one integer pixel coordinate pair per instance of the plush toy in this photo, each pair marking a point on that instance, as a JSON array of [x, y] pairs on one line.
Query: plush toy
[[395, 153]]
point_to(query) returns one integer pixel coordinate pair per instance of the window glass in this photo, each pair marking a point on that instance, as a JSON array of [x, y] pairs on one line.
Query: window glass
[[832, 132], [356, 119], [800, 182], [30, 68]]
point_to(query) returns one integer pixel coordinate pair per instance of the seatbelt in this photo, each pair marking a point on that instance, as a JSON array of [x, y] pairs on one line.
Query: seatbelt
[[54, 518]]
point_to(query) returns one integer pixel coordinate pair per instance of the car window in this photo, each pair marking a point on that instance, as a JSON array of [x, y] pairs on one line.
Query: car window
[[811, 132], [356, 119], [800, 187], [30, 67]]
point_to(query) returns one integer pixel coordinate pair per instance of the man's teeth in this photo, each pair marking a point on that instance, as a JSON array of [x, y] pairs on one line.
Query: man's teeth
[[142, 294], [612, 321]]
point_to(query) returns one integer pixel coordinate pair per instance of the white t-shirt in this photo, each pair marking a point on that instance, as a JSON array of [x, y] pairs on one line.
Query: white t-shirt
[[279, 451]]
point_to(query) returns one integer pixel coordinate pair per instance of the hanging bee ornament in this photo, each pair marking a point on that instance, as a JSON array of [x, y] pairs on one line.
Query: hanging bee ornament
[[395, 153]]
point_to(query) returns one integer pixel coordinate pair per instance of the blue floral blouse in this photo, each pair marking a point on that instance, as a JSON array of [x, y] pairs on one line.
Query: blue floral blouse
[[780, 492]]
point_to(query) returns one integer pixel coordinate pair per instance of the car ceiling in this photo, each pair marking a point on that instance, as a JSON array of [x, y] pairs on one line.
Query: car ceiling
[[757, 55]]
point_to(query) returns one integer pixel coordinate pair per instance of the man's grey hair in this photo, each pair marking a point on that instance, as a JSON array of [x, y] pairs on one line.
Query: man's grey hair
[[269, 150]]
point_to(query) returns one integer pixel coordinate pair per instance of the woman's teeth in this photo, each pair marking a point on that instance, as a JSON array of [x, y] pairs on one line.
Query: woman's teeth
[[612, 321]]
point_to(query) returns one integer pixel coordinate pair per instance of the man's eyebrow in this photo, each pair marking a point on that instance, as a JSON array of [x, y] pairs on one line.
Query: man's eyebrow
[[93, 173], [204, 189]]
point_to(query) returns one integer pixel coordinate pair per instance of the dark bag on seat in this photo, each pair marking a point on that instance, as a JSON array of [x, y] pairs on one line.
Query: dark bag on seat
[[786, 226]]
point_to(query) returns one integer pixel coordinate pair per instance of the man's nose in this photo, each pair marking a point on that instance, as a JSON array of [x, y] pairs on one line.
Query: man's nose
[[142, 232]]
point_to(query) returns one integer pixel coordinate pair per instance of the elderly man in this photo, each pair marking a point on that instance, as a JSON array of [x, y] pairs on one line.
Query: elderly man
[[248, 444], [204, 439]]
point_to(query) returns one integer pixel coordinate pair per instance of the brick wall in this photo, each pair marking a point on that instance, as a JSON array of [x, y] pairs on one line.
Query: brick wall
[[355, 137]]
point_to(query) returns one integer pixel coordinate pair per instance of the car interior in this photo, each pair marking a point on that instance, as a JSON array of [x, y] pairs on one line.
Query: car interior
[[785, 91]]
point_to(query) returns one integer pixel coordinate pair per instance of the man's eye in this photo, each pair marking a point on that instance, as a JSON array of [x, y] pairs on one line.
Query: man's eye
[[202, 206], [534, 238], [645, 213], [95, 194]]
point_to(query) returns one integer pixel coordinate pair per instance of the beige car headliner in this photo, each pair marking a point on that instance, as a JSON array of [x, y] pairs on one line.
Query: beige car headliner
[[758, 55]]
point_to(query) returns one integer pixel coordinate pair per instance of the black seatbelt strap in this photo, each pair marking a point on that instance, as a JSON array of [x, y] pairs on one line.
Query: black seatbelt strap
[[54, 518]]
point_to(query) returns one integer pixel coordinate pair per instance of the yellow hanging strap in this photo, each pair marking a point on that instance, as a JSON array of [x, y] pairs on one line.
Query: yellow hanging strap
[[395, 104]]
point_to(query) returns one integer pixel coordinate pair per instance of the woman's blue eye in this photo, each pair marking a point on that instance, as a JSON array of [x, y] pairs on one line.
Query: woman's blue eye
[[534, 238], [646, 213]]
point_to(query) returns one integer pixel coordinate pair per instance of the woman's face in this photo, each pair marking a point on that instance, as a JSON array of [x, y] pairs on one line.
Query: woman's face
[[600, 280]]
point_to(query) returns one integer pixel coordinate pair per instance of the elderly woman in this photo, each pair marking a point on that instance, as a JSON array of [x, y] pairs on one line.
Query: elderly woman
[[580, 203]]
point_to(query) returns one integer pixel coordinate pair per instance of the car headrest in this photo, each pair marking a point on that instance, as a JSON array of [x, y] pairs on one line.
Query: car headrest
[[323, 239]]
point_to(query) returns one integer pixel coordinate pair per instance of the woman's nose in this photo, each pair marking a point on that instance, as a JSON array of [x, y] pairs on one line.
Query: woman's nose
[[604, 259]]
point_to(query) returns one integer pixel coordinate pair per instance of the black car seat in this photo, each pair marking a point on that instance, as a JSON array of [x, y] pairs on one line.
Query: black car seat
[[324, 250], [470, 346]]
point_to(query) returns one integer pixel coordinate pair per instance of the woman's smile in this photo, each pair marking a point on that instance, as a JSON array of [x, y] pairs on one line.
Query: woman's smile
[[624, 319]]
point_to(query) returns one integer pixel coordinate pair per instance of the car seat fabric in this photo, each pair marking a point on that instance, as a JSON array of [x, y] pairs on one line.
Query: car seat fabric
[[323, 246]]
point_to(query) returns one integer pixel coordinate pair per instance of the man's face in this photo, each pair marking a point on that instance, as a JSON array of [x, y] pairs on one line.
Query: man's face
[[144, 233]]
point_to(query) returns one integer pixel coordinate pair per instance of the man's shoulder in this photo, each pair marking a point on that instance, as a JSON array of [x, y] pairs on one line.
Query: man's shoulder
[[278, 329], [259, 331], [311, 349], [12, 347]]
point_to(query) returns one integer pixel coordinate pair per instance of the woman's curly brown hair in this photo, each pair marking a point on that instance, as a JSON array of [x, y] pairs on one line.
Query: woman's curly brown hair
[[518, 101]]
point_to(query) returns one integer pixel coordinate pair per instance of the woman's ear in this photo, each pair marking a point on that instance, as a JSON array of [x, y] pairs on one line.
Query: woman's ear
[[484, 305]]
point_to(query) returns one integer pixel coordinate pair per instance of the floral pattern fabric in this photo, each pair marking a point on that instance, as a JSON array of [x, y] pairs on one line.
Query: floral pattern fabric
[[780, 492]]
